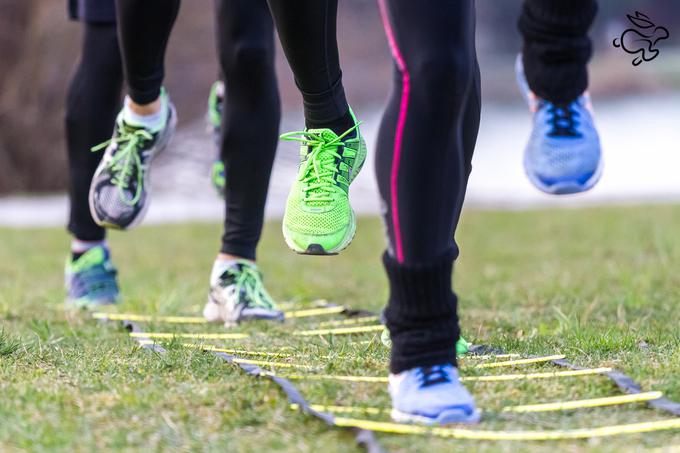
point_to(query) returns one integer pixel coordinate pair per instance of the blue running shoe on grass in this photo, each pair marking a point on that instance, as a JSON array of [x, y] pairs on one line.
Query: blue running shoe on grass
[[563, 155], [431, 396], [91, 280]]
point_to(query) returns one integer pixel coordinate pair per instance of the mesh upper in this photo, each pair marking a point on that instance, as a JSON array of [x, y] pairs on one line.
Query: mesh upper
[[564, 158], [112, 205], [299, 220]]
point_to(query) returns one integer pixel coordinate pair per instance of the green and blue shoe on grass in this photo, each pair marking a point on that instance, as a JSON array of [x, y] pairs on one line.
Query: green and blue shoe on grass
[[91, 280]]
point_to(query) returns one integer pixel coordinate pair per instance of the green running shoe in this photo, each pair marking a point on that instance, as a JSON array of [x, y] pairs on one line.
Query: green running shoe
[[319, 219], [91, 280], [214, 120], [462, 346]]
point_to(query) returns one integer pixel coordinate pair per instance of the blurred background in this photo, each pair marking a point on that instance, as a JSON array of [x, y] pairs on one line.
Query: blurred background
[[637, 110]]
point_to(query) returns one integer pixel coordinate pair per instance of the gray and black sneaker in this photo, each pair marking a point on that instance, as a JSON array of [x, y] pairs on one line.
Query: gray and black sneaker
[[238, 294], [119, 193]]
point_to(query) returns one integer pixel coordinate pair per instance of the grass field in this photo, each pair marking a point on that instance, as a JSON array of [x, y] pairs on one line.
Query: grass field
[[599, 285]]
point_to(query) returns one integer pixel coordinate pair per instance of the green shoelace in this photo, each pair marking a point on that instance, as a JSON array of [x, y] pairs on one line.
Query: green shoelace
[[318, 174], [126, 161], [249, 280]]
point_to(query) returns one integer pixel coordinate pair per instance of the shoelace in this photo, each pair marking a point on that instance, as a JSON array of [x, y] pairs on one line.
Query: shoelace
[[248, 279], [563, 117], [433, 375], [126, 161], [320, 168]]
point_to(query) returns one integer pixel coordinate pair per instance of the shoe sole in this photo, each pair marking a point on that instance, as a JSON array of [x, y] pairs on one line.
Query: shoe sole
[[221, 315], [159, 148], [450, 417], [314, 249], [564, 187], [77, 304]]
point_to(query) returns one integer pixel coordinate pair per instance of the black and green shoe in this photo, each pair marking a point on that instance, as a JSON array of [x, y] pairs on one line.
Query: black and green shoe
[[214, 119]]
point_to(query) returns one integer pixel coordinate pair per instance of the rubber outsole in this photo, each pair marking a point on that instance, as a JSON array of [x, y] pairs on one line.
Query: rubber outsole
[[565, 187], [448, 417], [315, 249], [78, 304], [215, 312]]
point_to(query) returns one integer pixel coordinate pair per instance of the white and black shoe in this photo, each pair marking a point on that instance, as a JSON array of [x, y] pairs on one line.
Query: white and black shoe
[[238, 294], [119, 192]]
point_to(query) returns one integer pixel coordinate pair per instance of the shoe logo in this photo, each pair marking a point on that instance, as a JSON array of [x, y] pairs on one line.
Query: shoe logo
[[642, 39]]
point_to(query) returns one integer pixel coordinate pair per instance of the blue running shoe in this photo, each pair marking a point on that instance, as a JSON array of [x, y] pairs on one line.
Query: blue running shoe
[[563, 155], [91, 280], [431, 396]]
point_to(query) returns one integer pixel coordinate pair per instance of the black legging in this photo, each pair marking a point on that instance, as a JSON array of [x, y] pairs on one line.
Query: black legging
[[423, 159], [94, 99], [250, 122], [143, 31], [557, 47], [315, 62]]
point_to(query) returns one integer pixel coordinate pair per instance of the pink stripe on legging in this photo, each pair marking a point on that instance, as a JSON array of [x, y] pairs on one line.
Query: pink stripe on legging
[[399, 134]]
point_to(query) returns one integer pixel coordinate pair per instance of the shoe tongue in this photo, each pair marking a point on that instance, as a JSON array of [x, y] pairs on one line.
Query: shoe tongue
[[438, 374], [326, 134], [128, 127]]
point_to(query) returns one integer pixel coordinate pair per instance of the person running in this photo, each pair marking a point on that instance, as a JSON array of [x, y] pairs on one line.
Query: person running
[[92, 103], [563, 155], [318, 218], [423, 160], [249, 129], [251, 118]]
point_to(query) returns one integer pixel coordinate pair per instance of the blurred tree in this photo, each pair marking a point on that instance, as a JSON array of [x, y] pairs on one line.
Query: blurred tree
[[38, 51]]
